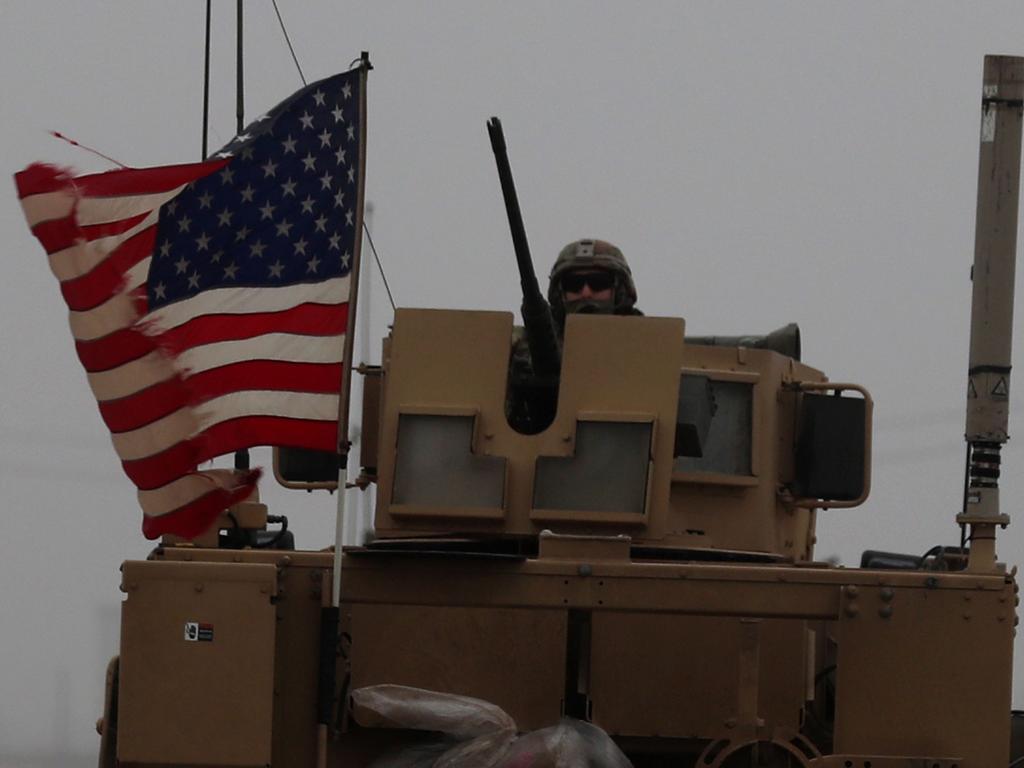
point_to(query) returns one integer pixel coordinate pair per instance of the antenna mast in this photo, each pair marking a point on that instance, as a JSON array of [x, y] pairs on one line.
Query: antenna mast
[[995, 251], [206, 82], [241, 455]]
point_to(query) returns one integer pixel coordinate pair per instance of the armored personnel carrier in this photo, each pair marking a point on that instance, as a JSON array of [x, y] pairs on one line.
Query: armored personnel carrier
[[642, 561]]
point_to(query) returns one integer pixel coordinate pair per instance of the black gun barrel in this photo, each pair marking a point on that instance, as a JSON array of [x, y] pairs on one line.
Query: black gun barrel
[[537, 319]]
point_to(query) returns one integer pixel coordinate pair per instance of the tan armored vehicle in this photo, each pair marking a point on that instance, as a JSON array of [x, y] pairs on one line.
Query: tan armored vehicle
[[640, 557]]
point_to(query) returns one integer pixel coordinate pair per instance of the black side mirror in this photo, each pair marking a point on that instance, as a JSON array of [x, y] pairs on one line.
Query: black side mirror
[[833, 436], [304, 468]]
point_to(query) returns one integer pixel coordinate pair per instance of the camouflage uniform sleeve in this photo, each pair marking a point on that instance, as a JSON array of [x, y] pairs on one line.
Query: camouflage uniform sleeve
[[520, 371], [520, 357]]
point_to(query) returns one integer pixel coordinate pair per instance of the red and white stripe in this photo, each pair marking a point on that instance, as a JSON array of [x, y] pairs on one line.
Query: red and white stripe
[[225, 369]]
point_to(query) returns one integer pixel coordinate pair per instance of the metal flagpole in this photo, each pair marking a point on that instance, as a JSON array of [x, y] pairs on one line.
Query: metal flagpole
[[241, 455], [365, 511], [239, 106], [343, 442], [331, 617], [206, 82]]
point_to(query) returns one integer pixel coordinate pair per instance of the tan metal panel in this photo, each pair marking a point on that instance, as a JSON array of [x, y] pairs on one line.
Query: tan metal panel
[[514, 658], [456, 362], [179, 697], [925, 672], [300, 595], [744, 512], [296, 662], [684, 669], [442, 361], [736, 590], [625, 367]]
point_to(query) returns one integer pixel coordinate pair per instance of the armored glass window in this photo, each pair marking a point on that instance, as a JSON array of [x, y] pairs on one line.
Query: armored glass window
[[435, 466], [726, 449], [606, 473]]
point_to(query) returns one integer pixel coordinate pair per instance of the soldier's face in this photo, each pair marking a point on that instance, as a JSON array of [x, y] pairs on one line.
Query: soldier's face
[[588, 285]]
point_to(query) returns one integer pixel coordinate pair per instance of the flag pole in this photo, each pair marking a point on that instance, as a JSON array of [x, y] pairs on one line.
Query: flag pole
[[346, 384], [331, 620], [365, 518], [206, 83], [242, 454], [239, 78]]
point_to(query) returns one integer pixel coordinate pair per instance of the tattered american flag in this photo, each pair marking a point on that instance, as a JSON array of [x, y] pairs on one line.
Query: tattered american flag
[[209, 302]]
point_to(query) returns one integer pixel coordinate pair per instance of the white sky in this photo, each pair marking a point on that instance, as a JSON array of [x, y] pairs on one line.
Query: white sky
[[759, 163]]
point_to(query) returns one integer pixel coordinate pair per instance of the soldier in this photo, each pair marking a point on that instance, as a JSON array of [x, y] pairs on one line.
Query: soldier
[[588, 277]]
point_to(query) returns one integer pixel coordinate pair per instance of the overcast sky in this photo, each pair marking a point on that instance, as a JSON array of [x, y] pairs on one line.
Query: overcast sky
[[758, 163]]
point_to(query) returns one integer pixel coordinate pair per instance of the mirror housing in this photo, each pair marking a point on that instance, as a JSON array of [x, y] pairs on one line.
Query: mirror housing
[[833, 443], [303, 469], [308, 470]]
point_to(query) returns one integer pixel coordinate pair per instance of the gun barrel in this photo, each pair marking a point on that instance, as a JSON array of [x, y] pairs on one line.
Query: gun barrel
[[543, 341], [527, 276]]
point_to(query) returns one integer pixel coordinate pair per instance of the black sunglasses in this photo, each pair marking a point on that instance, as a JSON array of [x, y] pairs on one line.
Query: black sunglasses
[[598, 281]]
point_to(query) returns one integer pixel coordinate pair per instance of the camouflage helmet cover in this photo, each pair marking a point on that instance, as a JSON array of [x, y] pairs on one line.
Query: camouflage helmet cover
[[592, 254]]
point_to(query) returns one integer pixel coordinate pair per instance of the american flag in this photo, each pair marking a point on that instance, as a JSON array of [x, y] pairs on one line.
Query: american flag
[[209, 302]]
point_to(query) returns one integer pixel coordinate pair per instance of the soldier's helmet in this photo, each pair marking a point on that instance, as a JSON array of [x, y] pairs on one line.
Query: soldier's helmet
[[592, 254]]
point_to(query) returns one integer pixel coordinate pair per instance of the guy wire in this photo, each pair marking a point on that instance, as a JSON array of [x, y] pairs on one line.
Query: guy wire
[[288, 40], [380, 267]]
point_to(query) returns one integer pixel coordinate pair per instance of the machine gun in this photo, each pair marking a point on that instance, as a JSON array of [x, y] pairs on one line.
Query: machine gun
[[534, 392]]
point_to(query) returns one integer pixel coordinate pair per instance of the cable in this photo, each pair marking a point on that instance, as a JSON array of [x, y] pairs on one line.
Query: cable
[[288, 40], [380, 268], [273, 542], [936, 550]]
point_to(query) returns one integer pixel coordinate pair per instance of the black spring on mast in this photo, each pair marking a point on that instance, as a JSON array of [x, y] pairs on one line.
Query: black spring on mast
[[984, 464]]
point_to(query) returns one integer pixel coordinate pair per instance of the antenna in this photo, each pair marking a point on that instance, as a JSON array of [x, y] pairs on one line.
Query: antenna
[[206, 83], [241, 455], [240, 80], [995, 252]]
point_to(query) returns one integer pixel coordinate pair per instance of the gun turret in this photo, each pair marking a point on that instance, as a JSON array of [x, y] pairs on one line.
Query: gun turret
[[545, 351]]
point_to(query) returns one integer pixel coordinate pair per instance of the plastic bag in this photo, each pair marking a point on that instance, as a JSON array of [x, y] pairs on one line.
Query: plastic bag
[[478, 734], [400, 706], [570, 744]]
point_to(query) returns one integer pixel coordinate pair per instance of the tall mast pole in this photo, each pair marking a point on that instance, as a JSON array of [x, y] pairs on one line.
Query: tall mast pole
[[995, 251], [240, 80], [241, 455], [365, 291], [206, 82]]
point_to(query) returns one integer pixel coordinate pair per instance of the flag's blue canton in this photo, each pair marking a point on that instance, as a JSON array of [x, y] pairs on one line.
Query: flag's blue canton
[[281, 212]]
